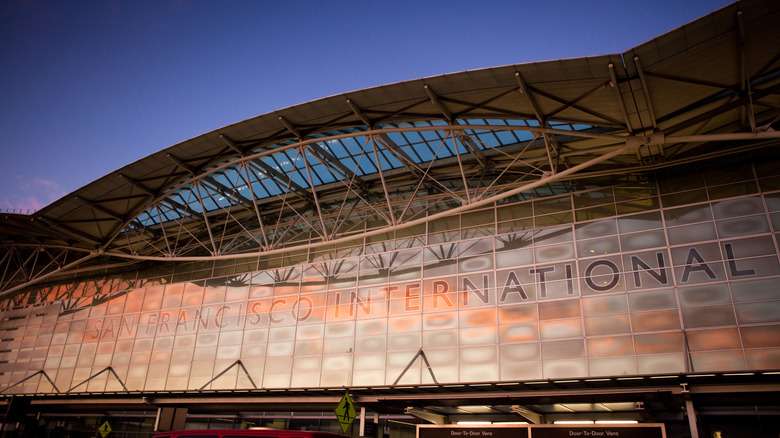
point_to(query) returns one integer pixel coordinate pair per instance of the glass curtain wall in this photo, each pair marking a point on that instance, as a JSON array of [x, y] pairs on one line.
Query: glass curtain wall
[[671, 273]]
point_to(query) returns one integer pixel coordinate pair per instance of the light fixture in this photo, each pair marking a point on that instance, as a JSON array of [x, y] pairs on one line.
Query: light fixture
[[616, 422], [473, 423], [573, 422]]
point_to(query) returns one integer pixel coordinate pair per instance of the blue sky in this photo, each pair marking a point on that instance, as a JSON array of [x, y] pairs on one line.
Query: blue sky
[[87, 87]]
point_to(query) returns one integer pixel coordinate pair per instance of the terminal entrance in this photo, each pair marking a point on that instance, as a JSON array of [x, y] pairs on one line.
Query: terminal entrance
[[703, 405]]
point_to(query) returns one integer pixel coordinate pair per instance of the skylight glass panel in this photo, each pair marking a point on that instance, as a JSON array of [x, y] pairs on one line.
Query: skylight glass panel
[[406, 137], [444, 148], [145, 219], [230, 186], [294, 159], [506, 137], [243, 191], [165, 209], [352, 146], [228, 198], [472, 138], [414, 153], [515, 122], [424, 152], [386, 160], [351, 164], [259, 190], [309, 158], [274, 187], [271, 161], [367, 166], [489, 138], [560, 125], [281, 162], [207, 196], [284, 166], [337, 148], [222, 178], [244, 183], [209, 204], [320, 174], [430, 136], [456, 145], [190, 201], [298, 178]]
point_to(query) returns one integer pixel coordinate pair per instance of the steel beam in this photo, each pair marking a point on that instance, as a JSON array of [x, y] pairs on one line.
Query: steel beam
[[629, 147], [436, 101], [619, 97], [427, 416]]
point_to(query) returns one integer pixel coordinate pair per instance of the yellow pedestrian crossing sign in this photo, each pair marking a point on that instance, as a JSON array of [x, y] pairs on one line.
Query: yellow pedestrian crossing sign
[[345, 412], [104, 429]]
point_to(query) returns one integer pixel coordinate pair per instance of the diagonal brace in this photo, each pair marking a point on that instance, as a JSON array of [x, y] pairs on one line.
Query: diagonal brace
[[106, 369], [222, 373], [420, 353], [30, 377]]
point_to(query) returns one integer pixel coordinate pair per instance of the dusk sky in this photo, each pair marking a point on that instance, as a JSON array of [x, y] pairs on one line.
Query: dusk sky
[[87, 87]]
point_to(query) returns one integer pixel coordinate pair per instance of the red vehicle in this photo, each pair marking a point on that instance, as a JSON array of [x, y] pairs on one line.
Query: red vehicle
[[265, 433]]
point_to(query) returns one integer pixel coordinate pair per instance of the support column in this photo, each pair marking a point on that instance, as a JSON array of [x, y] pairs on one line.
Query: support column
[[367, 427], [692, 418], [170, 418], [362, 421]]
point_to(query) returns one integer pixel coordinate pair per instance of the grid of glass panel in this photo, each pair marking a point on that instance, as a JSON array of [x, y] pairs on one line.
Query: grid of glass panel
[[287, 170], [652, 276]]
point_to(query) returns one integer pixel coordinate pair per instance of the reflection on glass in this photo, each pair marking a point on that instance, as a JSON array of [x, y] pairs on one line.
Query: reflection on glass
[[612, 366], [556, 369], [560, 328], [713, 339], [654, 343], [742, 226], [607, 325], [717, 360], [731, 190], [517, 305], [711, 316]]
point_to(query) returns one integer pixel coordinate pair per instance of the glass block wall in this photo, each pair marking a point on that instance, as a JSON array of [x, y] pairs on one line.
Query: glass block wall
[[673, 272]]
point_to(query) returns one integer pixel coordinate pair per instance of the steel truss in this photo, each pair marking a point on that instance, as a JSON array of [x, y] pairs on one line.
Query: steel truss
[[180, 227], [371, 169]]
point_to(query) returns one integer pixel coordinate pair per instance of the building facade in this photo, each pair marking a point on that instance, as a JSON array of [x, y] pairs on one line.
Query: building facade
[[598, 278], [611, 219]]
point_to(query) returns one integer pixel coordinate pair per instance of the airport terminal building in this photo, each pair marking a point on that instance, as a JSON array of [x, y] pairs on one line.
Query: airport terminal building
[[584, 239]]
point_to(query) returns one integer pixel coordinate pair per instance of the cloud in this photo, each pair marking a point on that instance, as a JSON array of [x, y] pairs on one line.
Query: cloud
[[28, 195]]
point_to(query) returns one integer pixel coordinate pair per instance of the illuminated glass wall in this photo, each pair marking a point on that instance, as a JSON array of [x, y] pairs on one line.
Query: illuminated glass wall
[[647, 275]]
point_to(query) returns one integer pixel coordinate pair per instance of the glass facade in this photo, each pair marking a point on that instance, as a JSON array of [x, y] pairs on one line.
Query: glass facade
[[667, 273]]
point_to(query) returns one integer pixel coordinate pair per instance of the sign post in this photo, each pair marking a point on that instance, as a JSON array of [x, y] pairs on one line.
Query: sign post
[[345, 412], [104, 429]]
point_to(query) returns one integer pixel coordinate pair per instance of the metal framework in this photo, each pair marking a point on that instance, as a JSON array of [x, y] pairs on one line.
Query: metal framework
[[374, 161]]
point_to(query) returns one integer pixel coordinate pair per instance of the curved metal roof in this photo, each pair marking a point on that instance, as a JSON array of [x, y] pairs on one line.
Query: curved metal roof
[[380, 159]]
